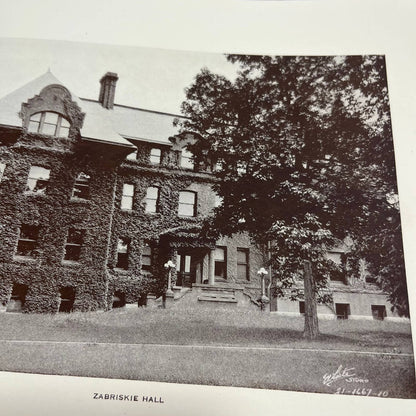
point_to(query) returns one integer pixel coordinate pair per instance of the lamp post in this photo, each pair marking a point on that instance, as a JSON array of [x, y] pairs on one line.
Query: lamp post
[[263, 299], [169, 266]]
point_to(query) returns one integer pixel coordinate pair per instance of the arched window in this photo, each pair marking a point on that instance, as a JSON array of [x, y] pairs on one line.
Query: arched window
[[52, 124]]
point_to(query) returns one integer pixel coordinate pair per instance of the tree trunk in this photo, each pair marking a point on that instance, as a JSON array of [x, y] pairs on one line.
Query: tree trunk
[[311, 330]]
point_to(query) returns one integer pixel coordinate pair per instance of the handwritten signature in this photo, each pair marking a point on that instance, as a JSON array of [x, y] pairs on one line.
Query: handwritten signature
[[340, 374]]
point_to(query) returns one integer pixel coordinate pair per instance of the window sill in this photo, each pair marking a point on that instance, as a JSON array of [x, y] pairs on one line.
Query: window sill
[[71, 263], [121, 271], [34, 193], [24, 259], [80, 200]]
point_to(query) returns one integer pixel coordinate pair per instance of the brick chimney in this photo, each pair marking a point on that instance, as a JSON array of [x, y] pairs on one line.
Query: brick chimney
[[108, 90]]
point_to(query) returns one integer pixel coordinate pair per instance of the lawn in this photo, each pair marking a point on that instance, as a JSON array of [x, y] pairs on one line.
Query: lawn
[[205, 327], [250, 349]]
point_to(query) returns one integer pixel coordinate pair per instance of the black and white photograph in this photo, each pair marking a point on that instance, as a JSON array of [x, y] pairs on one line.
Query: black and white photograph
[[201, 218]]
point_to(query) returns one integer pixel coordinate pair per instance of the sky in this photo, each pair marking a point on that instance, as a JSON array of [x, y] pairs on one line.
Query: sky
[[149, 78]]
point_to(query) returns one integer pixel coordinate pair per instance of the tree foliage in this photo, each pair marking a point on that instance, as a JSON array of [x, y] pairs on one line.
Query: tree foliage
[[302, 149]]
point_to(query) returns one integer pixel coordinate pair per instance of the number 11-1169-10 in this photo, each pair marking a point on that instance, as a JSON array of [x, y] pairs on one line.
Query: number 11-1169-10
[[362, 392]]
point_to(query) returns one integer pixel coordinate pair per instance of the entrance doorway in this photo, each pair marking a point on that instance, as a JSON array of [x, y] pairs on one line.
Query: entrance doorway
[[185, 269], [189, 265]]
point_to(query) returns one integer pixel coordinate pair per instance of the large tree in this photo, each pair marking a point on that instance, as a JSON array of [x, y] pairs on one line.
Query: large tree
[[303, 153]]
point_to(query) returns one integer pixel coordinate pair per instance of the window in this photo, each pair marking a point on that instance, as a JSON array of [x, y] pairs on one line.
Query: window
[[336, 257], [2, 168], [371, 279], [242, 264], [220, 257], [119, 299], [187, 159], [155, 156], [146, 257], [127, 197], [67, 299], [378, 312], [132, 156], [18, 298], [302, 307], [123, 253], [27, 240], [82, 186], [152, 199], [187, 204], [73, 244], [38, 179], [342, 310], [52, 124]]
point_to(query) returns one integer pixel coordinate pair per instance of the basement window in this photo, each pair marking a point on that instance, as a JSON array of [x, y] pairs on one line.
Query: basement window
[[73, 244], [127, 196], [152, 199], [49, 123], [37, 180], [67, 299], [27, 240], [119, 299], [18, 298], [82, 186], [342, 310], [155, 156], [378, 312], [123, 253], [371, 279]]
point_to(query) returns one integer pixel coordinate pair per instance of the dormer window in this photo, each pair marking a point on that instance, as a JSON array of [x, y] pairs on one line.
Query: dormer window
[[51, 124], [155, 156]]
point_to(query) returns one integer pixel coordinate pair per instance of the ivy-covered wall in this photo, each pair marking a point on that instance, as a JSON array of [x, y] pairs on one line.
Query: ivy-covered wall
[[95, 277], [54, 212]]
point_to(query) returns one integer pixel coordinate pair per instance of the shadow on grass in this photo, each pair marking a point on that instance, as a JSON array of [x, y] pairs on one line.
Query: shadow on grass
[[190, 328]]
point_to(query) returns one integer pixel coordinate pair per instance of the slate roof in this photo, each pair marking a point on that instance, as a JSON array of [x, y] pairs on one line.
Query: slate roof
[[111, 126], [136, 123]]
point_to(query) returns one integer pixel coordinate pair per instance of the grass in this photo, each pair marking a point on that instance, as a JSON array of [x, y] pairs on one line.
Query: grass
[[152, 345], [202, 327]]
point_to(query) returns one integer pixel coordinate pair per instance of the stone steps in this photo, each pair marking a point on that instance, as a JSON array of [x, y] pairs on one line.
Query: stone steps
[[217, 297]]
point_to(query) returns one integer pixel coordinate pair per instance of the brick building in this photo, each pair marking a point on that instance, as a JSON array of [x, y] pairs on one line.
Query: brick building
[[96, 197]]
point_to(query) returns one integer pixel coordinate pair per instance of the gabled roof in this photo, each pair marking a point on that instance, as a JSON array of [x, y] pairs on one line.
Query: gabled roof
[[100, 124]]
